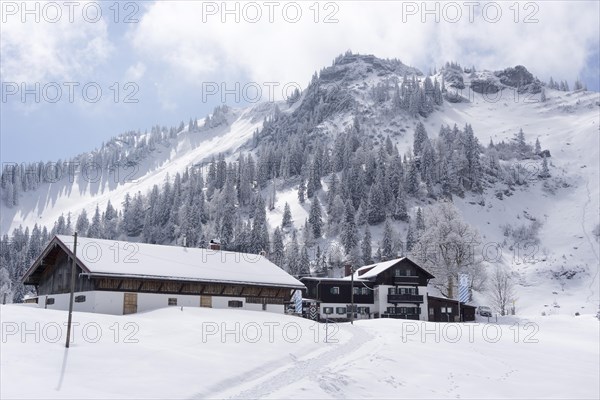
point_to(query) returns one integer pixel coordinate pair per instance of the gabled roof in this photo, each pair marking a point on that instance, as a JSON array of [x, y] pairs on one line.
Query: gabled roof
[[372, 270], [98, 257]]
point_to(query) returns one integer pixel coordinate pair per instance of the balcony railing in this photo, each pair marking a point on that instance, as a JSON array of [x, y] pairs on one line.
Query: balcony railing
[[405, 298], [400, 316]]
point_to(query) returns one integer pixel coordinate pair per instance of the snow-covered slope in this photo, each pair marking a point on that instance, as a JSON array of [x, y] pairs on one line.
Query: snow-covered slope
[[93, 185], [567, 124], [209, 353]]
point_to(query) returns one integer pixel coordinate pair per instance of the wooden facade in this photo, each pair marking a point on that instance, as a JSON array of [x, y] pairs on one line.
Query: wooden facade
[[323, 290], [446, 310], [390, 293], [404, 272]]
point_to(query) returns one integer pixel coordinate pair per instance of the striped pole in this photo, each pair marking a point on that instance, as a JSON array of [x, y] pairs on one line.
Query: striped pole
[[463, 291]]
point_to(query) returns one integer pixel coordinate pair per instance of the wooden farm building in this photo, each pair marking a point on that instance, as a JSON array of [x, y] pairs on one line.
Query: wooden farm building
[[116, 277]]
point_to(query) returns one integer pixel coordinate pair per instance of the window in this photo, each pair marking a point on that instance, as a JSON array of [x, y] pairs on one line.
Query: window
[[406, 271], [50, 301], [364, 290], [80, 299], [340, 310], [391, 310], [431, 311], [334, 290], [407, 291], [391, 290], [172, 301], [327, 310], [235, 303], [356, 290], [447, 310]]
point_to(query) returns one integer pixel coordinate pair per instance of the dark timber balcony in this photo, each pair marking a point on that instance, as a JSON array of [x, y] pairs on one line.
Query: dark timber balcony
[[399, 280], [405, 298], [400, 316]]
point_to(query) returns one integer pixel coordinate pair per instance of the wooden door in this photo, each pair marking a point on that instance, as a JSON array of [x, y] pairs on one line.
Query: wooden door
[[206, 301], [129, 303]]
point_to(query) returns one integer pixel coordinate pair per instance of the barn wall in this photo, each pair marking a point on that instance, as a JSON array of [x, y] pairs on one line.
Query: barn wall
[[107, 302], [61, 301]]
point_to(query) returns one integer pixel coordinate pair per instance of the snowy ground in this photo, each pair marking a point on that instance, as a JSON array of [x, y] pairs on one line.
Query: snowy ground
[[174, 353]]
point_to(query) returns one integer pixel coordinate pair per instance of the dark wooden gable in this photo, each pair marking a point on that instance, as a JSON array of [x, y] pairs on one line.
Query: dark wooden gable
[[323, 290], [404, 272], [51, 272]]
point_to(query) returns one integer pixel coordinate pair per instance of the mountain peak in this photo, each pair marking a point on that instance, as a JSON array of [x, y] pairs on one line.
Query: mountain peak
[[351, 67]]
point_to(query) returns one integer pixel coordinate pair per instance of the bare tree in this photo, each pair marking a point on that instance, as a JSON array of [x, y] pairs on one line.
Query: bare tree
[[446, 247], [502, 289]]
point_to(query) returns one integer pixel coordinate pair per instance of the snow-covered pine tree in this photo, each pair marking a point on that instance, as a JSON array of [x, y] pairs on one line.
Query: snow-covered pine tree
[[301, 191], [277, 255], [286, 220], [315, 218], [387, 242], [376, 205], [349, 234], [400, 211], [420, 137], [95, 229], [366, 247]]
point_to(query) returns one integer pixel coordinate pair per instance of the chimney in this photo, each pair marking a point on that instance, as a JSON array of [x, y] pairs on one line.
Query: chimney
[[214, 244], [347, 270]]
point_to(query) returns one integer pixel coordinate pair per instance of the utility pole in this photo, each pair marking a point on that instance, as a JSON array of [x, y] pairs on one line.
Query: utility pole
[[73, 272], [351, 295]]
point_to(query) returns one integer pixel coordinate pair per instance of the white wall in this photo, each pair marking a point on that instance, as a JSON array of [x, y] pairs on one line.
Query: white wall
[[382, 303], [345, 315], [61, 302], [383, 300], [107, 302], [425, 306]]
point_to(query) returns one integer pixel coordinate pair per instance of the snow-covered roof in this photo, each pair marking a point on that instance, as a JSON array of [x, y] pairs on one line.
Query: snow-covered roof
[[371, 271], [327, 279], [374, 269], [111, 257]]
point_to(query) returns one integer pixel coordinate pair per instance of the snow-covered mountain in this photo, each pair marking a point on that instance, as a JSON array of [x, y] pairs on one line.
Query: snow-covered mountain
[[562, 268]]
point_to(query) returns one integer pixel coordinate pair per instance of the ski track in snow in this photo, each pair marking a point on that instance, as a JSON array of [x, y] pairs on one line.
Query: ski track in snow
[[270, 379]]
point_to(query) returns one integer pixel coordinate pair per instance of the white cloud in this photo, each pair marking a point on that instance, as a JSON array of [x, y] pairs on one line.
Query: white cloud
[[44, 51], [135, 72], [173, 34]]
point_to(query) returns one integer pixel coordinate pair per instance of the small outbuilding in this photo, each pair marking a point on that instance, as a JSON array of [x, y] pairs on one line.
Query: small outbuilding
[[442, 309]]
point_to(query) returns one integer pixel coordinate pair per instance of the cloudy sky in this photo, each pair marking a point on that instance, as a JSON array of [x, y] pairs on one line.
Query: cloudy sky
[[76, 74]]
